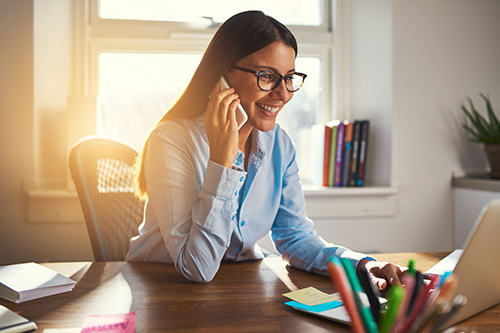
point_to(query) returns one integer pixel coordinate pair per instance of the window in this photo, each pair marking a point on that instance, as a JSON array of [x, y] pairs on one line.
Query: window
[[137, 46], [135, 90], [289, 12]]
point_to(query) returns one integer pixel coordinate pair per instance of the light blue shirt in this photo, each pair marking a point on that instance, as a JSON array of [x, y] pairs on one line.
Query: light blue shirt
[[200, 213]]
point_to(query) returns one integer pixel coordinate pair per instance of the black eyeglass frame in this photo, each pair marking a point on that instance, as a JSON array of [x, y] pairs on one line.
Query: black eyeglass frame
[[258, 74]]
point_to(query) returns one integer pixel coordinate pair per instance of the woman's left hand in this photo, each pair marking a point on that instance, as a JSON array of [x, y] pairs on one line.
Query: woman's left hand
[[383, 274]]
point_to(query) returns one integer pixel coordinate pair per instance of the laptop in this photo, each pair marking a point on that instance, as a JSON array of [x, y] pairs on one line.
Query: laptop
[[476, 265]]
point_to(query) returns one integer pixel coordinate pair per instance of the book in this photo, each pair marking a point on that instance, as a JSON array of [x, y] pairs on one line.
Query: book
[[11, 322], [347, 153], [363, 147], [356, 136], [326, 153], [27, 281], [338, 155], [333, 151]]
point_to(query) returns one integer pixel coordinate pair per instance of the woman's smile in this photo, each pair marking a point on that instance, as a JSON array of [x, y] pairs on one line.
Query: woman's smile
[[269, 110]]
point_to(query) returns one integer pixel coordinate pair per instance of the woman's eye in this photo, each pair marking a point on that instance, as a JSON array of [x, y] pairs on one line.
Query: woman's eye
[[267, 77]]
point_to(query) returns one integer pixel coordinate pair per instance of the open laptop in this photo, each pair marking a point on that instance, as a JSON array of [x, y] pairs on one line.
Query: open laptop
[[476, 265]]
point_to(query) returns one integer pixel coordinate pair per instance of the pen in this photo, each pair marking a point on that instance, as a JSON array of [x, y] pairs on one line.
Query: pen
[[408, 281], [371, 291], [444, 276], [438, 303], [394, 299], [458, 303], [440, 309], [365, 312], [411, 266], [419, 282], [423, 297], [447, 288], [341, 283]]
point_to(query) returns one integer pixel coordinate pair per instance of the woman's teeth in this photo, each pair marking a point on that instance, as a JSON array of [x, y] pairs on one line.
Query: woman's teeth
[[268, 108]]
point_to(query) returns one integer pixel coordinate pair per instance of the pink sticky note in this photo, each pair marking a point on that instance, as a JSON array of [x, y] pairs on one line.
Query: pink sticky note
[[111, 323]]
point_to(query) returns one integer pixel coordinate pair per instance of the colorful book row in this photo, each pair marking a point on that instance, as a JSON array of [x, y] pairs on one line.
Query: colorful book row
[[344, 152]]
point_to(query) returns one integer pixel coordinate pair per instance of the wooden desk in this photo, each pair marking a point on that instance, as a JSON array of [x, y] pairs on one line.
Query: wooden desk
[[243, 297]]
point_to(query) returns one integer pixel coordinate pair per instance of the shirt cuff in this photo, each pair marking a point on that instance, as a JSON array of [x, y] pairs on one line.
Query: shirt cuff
[[222, 182]]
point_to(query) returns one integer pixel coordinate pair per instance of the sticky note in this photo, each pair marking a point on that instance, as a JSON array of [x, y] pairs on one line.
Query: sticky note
[[315, 308], [310, 296], [123, 323]]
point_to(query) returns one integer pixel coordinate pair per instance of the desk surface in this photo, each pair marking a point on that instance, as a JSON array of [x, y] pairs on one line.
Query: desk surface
[[243, 297]]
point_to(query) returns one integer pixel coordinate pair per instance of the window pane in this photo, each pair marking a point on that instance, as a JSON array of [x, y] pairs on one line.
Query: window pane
[[303, 111], [292, 12], [136, 89]]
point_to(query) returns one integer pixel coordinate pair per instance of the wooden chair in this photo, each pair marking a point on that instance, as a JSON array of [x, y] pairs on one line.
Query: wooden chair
[[102, 173]]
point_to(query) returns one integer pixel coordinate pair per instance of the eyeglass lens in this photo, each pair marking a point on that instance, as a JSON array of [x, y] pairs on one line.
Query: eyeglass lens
[[268, 80]]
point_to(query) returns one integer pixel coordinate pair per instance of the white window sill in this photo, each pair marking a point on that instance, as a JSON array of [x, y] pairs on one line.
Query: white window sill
[[47, 206], [350, 202]]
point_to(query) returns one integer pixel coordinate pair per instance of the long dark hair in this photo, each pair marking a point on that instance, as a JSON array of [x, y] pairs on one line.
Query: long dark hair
[[241, 35]]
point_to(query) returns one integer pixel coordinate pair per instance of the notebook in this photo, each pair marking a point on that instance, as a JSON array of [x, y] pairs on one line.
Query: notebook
[[11, 322], [476, 266], [28, 281]]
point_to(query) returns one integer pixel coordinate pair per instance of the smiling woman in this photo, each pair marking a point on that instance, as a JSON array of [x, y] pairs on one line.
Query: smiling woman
[[214, 190]]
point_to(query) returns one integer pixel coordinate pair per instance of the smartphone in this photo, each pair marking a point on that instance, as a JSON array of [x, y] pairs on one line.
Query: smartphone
[[241, 115]]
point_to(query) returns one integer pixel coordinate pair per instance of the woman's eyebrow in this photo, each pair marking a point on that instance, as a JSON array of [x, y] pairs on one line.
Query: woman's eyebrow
[[274, 69]]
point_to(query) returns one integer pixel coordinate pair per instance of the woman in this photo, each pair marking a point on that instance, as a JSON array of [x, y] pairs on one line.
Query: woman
[[214, 191]]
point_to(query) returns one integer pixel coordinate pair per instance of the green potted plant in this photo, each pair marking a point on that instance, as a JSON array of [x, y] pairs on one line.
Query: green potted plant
[[485, 130]]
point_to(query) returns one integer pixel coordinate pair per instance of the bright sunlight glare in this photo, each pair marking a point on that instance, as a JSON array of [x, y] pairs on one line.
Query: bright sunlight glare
[[136, 89], [292, 12]]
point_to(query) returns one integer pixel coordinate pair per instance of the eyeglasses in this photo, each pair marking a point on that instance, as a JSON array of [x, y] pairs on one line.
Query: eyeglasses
[[268, 80]]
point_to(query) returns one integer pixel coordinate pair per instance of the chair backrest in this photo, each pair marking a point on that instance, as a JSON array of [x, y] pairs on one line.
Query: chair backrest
[[102, 173]]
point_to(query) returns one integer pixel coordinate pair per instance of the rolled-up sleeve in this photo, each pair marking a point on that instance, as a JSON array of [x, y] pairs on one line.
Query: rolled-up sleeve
[[194, 213]]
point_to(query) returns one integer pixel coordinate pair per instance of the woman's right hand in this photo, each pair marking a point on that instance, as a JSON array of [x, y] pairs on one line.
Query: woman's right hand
[[221, 125]]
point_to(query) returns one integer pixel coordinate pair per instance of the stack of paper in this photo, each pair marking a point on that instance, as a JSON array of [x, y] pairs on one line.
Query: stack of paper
[[12, 322], [28, 281]]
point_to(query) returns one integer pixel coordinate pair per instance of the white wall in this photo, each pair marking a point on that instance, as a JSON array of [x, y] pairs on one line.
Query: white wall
[[411, 64], [35, 67], [16, 121], [440, 51]]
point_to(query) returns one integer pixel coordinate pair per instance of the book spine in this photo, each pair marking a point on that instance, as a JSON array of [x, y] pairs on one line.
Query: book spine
[[333, 150], [338, 155], [363, 148], [355, 152], [326, 155], [347, 153]]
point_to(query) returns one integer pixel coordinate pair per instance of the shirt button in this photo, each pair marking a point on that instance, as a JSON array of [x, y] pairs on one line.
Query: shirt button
[[242, 223], [238, 162]]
